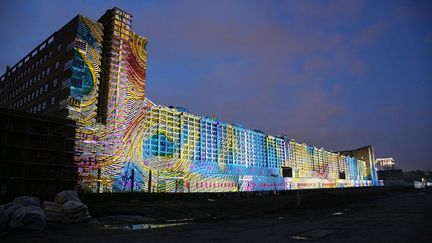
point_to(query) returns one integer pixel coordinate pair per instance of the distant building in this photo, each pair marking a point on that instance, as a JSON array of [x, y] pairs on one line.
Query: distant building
[[385, 164], [388, 173]]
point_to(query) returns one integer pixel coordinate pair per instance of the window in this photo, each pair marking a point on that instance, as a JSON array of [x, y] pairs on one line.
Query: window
[[57, 64], [51, 39], [55, 82], [44, 105], [46, 88], [70, 46], [48, 70], [52, 100], [80, 45], [68, 64], [67, 83], [59, 47]]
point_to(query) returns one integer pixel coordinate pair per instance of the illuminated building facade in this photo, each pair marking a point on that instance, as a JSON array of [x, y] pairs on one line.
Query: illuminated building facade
[[126, 142]]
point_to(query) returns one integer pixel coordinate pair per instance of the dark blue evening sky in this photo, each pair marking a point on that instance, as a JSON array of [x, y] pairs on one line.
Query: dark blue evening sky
[[335, 74]]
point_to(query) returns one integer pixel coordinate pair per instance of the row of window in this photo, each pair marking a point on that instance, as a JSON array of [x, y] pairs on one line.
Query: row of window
[[29, 83], [42, 106], [32, 96], [206, 146], [29, 69], [210, 137], [28, 57]]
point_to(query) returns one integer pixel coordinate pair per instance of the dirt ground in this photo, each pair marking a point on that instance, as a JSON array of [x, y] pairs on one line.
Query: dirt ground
[[396, 216]]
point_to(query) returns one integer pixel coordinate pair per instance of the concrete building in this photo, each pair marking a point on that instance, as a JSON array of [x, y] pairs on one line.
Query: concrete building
[[42, 81], [94, 73]]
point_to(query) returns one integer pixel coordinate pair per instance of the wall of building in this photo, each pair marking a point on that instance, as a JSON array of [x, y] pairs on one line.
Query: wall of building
[[189, 153], [36, 83], [126, 142], [176, 151]]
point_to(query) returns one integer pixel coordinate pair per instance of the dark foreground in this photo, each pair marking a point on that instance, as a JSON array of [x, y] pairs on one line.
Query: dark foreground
[[377, 216]]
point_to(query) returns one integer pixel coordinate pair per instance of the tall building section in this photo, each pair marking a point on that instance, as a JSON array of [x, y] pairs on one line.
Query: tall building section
[[366, 154], [94, 73], [123, 89], [42, 81]]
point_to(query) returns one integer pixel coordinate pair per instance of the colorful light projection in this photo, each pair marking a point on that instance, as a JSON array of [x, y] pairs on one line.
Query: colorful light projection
[[311, 163], [189, 153], [85, 71], [84, 88], [144, 146]]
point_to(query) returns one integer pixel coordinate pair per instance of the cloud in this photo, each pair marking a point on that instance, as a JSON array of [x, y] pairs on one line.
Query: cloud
[[324, 15], [369, 33], [320, 71]]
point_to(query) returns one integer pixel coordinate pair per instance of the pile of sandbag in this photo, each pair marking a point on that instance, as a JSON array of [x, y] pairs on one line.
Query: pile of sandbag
[[54, 211], [67, 208], [23, 213], [65, 196], [28, 218], [27, 201], [75, 212], [27, 213]]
